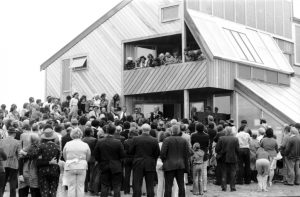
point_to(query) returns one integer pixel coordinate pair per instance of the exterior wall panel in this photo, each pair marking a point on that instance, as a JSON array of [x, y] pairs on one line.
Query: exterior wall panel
[[103, 47], [274, 16], [240, 11], [221, 74]]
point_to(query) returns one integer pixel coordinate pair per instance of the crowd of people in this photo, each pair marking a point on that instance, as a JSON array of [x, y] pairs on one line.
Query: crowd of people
[[96, 146], [164, 59]]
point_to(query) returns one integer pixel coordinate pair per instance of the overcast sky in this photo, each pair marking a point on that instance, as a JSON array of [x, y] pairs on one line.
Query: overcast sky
[[32, 31]]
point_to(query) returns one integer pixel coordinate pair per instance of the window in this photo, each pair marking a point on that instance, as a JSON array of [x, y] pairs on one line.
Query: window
[[272, 77], [258, 74], [243, 46], [170, 13], [244, 72], [79, 63], [283, 79]]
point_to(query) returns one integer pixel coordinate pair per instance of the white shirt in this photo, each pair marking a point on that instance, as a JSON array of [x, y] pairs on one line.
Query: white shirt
[[244, 139], [73, 102]]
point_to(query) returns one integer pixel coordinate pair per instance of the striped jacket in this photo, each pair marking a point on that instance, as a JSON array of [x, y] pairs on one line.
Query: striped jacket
[[11, 148]]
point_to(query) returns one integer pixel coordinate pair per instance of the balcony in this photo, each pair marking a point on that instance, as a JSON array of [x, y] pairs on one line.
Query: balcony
[[171, 77]]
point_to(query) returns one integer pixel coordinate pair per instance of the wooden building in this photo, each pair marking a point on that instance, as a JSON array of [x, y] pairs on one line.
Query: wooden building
[[249, 71]]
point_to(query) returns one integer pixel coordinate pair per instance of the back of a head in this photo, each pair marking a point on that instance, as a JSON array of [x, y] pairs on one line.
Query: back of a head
[[192, 127], [154, 125], [210, 118], [111, 129], [175, 129], [88, 131], [220, 128], [146, 128], [199, 127], [228, 131], [76, 133], [211, 125], [269, 132], [118, 129], [261, 131], [126, 125], [173, 121]]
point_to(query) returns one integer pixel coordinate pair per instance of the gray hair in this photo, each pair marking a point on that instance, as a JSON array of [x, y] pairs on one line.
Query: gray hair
[[146, 128], [176, 129], [228, 131], [76, 133]]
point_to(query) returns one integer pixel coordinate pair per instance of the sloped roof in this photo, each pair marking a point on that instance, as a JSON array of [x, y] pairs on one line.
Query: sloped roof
[[281, 100], [86, 32], [234, 42]]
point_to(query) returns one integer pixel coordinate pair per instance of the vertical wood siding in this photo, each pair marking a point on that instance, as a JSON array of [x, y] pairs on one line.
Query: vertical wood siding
[[221, 74], [274, 16], [139, 18]]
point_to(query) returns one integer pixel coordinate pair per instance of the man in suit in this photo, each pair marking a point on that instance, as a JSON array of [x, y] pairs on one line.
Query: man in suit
[[112, 115], [145, 151], [128, 161], [108, 153], [175, 157], [228, 149], [91, 141]]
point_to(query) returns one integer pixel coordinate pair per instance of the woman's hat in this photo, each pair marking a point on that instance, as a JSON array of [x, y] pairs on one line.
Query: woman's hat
[[48, 134]]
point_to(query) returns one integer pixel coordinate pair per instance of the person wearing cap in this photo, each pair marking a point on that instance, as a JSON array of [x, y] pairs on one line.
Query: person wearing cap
[[292, 154], [108, 153], [11, 147], [76, 154], [48, 169]]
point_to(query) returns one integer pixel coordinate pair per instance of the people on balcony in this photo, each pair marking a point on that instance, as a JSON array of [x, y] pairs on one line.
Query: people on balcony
[[164, 59]]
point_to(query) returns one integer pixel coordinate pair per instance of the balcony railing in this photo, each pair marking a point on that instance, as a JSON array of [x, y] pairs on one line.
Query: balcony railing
[[171, 77]]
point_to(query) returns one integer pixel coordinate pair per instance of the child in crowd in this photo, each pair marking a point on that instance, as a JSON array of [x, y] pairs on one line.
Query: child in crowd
[[262, 167], [197, 161]]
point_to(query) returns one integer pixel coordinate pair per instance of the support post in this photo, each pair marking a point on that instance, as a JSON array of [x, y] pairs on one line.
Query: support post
[[186, 105], [234, 108], [183, 31]]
